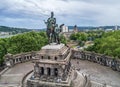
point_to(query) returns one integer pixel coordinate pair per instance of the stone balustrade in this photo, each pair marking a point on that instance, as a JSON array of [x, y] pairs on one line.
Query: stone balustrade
[[11, 60], [97, 58], [102, 59]]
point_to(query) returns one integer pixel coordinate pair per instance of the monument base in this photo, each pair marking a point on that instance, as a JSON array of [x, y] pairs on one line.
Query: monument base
[[53, 46], [52, 66]]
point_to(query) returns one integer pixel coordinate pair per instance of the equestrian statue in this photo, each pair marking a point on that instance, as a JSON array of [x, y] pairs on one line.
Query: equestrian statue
[[53, 31]]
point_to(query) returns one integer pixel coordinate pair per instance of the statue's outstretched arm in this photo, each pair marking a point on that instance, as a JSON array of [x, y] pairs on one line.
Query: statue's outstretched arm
[[45, 22]]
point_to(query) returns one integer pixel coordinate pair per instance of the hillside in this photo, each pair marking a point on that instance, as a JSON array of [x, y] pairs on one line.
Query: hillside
[[13, 30]]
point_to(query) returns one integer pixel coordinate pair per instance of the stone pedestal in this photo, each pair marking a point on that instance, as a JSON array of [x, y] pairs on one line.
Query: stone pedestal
[[36, 71], [53, 61], [53, 46]]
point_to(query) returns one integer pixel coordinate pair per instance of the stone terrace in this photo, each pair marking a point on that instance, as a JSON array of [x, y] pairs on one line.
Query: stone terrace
[[98, 73]]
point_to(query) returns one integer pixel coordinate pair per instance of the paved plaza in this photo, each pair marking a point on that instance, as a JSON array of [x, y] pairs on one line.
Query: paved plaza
[[98, 73], [14, 75]]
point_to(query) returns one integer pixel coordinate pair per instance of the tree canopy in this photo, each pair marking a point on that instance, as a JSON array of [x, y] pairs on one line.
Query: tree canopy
[[82, 37], [31, 41], [108, 44]]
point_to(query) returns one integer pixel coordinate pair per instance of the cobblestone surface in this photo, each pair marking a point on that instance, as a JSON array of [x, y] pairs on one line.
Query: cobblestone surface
[[98, 73]]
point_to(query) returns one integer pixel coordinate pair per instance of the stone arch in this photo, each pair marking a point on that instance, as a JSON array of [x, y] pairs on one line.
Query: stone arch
[[19, 59], [41, 57], [42, 71], [13, 60], [48, 71], [55, 58], [48, 57], [55, 71], [27, 57]]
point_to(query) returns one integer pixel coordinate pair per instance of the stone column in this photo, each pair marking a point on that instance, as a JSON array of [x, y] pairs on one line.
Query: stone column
[[80, 56], [60, 72], [45, 70], [52, 71], [36, 71]]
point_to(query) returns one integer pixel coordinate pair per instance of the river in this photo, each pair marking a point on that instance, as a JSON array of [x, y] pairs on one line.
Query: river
[[6, 36]]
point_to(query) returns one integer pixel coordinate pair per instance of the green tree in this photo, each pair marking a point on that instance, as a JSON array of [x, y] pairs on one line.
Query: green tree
[[63, 39], [3, 49], [108, 44], [30, 41]]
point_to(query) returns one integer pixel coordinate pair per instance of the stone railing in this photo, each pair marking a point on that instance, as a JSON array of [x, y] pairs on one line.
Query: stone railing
[[23, 84], [11, 60], [91, 83], [97, 58], [96, 84], [88, 83], [3, 71]]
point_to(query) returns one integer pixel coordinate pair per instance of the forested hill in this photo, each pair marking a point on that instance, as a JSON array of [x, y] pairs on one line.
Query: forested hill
[[11, 29]]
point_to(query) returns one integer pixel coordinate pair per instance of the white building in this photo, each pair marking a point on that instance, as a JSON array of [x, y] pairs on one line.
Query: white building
[[64, 28], [107, 30], [116, 27], [4, 33]]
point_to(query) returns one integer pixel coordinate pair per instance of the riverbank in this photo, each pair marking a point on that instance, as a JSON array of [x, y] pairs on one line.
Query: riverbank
[[6, 36]]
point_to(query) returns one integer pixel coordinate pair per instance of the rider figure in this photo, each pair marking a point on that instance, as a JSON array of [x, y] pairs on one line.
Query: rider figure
[[51, 23]]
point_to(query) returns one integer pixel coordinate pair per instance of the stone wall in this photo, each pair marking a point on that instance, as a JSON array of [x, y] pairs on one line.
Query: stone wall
[[11, 60], [97, 58]]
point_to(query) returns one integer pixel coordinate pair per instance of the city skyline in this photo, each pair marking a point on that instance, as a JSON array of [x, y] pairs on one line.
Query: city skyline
[[30, 14]]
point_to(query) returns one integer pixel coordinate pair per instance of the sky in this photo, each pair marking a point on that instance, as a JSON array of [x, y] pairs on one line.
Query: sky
[[31, 13]]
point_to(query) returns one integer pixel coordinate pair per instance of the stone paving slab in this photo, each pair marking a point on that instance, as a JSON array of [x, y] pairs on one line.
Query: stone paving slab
[[13, 76], [53, 46], [97, 72]]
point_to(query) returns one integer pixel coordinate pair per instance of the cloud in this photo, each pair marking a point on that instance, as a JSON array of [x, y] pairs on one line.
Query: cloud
[[31, 13]]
